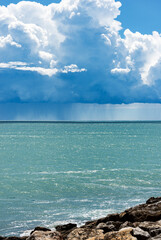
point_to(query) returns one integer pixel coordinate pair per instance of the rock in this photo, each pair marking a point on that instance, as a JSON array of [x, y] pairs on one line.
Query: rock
[[153, 200], [109, 217], [13, 238], [117, 225], [126, 224], [101, 226], [44, 229], [65, 227], [47, 235], [155, 232], [106, 227], [99, 237], [140, 234], [154, 228], [143, 212], [156, 238], [123, 234], [85, 233]]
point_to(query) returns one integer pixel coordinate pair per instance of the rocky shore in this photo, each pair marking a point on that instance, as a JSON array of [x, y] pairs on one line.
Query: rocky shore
[[142, 222]]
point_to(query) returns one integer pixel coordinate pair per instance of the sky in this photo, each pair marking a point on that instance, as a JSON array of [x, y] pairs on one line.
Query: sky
[[80, 60]]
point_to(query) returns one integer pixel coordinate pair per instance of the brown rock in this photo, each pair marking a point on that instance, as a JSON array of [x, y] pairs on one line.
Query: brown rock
[[110, 217], [143, 212], [99, 237], [66, 229], [84, 234], [16, 238], [123, 234]]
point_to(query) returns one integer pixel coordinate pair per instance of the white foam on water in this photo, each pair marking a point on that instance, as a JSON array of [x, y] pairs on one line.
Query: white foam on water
[[142, 181], [83, 200], [64, 172], [26, 233]]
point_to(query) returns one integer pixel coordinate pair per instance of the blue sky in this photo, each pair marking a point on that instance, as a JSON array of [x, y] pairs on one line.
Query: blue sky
[[143, 16], [80, 55]]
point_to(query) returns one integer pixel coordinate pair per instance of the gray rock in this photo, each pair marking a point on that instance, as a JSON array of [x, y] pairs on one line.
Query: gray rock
[[140, 234], [47, 235], [126, 224], [154, 228], [156, 238], [155, 232], [106, 227]]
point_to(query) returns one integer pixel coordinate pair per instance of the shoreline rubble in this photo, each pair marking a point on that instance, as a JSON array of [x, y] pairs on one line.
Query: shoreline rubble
[[142, 222]]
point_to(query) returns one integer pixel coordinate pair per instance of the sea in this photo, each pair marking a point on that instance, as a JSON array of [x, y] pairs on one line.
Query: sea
[[53, 173]]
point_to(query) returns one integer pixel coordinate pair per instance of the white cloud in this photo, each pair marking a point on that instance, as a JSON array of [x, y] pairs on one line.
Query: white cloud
[[24, 67], [120, 70], [45, 55], [41, 30], [12, 64], [8, 40], [77, 36], [73, 68], [143, 53], [43, 71]]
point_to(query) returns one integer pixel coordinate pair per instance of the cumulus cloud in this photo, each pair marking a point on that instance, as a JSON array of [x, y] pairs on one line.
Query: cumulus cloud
[[8, 40], [143, 54], [72, 51]]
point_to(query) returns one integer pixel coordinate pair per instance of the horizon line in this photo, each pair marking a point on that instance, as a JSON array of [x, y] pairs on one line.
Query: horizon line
[[80, 121]]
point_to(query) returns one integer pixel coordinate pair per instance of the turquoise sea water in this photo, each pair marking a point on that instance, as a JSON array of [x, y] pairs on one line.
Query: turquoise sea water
[[52, 173]]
